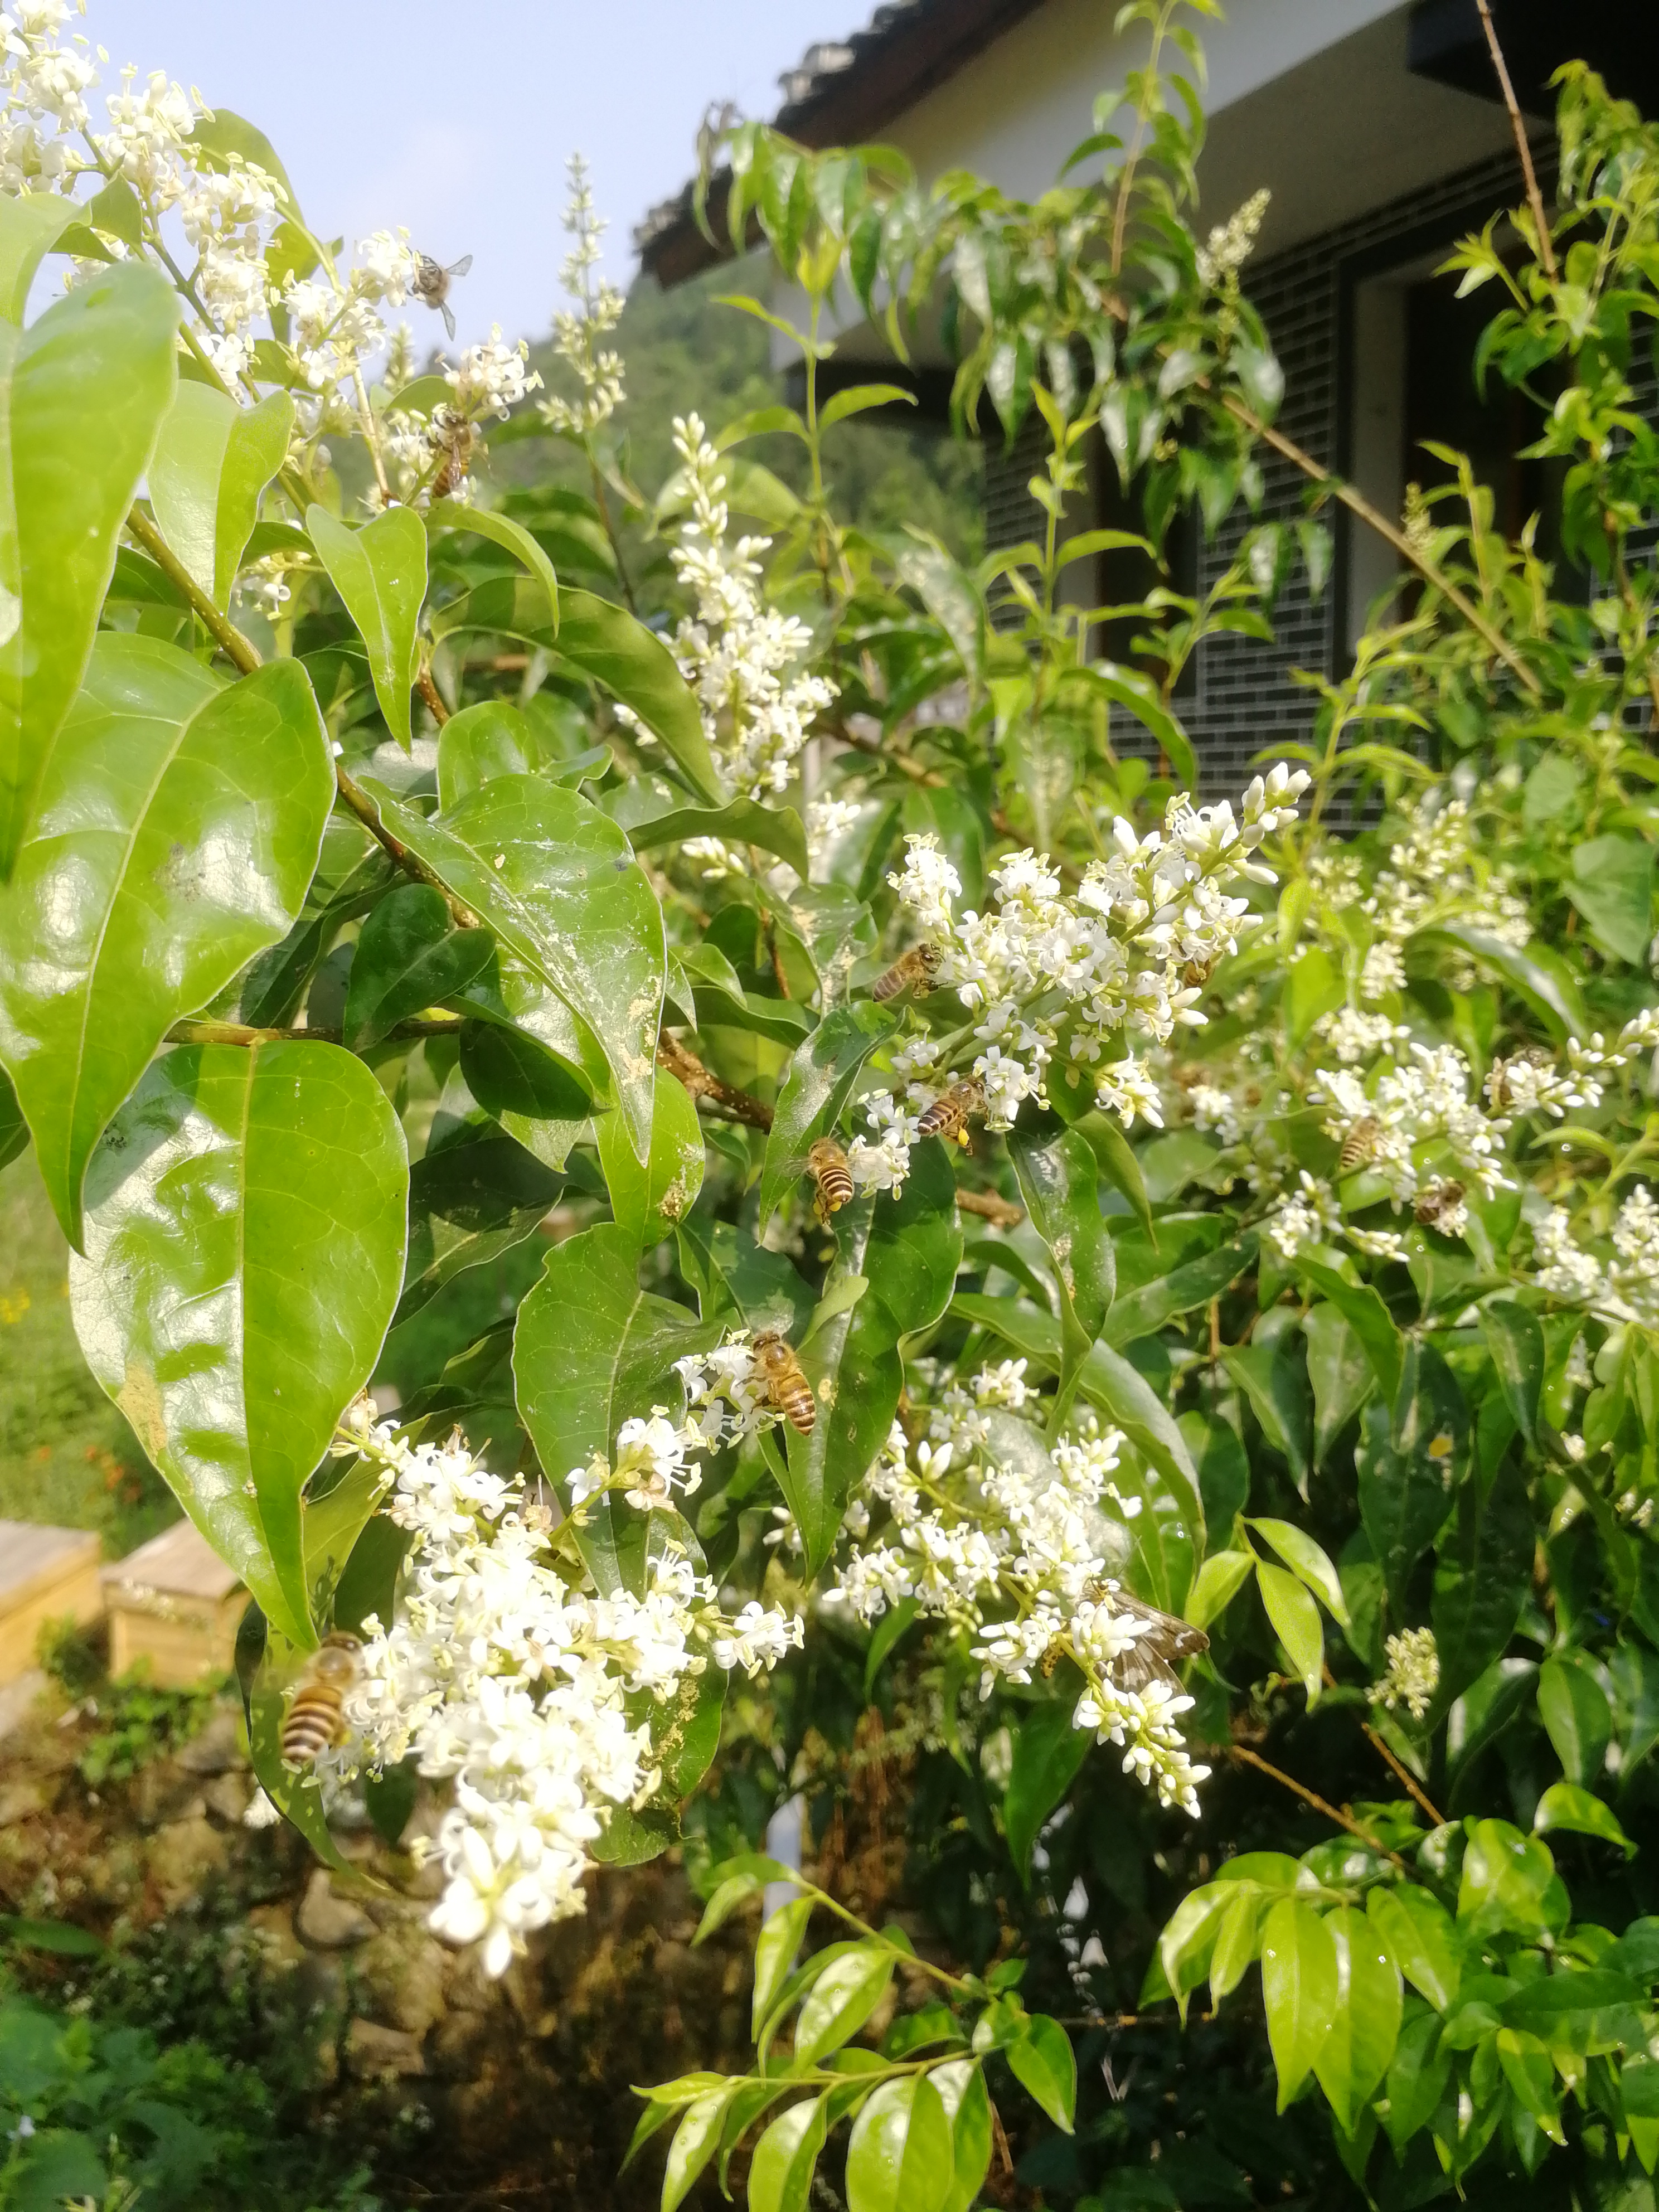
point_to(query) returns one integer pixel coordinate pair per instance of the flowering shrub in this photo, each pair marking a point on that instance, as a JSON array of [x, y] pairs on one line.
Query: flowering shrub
[[748, 1031]]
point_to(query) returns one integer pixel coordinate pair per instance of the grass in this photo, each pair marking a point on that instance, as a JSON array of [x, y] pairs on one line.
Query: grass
[[66, 1456]]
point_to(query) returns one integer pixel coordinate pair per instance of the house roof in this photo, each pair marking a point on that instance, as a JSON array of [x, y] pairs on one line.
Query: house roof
[[841, 92]]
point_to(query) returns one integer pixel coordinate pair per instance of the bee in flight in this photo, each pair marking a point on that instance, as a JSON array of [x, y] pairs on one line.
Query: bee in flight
[[948, 1116], [1437, 1201], [919, 966], [1359, 1144], [788, 1389], [826, 1164], [431, 285], [315, 1719]]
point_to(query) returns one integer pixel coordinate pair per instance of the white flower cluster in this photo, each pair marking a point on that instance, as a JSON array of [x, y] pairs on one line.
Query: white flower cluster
[[737, 653], [577, 335], [492, 378], [1435, 872], [1624, 1284], [1017, 1544], [46, 105], [1122, 957], [1413, 1673], [1231, 243], [506, 1673]]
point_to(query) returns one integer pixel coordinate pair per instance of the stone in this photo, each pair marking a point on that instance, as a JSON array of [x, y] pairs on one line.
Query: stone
[[401, 1973], [116, 1876], [158, 1795], [227, 1798], [328, 1923], [22, 1800], [218, 1748], [184, 1856], [373, 2050], [273, 1928]]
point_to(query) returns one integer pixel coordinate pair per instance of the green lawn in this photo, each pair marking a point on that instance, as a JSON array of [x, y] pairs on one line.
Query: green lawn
[[66, 1456]]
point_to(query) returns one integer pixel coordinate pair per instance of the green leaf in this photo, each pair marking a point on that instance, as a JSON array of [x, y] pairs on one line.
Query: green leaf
[[1043, 2061], [854, 398], [246, 1220], [1421, 1939], [82, 393], [740, 1282], [841, 1999], [31, 224], [1354, 2057], [212, 462], [1144, 1311], [908, 1249], [590, 1351], [780, 1939], [785, 2157], [900, 2157], [1277, 1391], [1116, 1158], [554, 879], [1218, 1582], [1638, 2089], [1236, 1942], [1539, 976], [479, 744], [1416, 2080], [695, 2141], [1313, 986], [744, 821], [1573, 1707], [409, 956], [1339, 1372], [1365, 1314], [1126, 1397], [60, 1936], [1481, 1584], [1133, 688], [1504, 1877], [1514, 1339], [379, 571], [649, 1197], [1058, 1181], [1048, 1754], [815, 1087], [1406, 1488], [1612, 887], [513, 537], [960, 2086], [222, 133], [1307, 1562], [1564, 1805], [1295, 1618], [179, 825], [604, 642], [1299, 1989]]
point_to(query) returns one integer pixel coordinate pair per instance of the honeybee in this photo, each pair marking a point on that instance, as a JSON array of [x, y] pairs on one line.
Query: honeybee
[[1197, 973], [1438, 1200], [826, 1164], [948, 1116], [431, 285], [1359, 1144], [786, 1386], [919, 966], [455, 439], [315, 1719], [1498, 1089]]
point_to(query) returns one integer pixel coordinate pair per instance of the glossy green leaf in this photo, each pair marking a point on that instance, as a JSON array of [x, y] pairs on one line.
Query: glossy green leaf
[[221, 134], [907, 1248], [1364, 1312], [740, 1282], [841, 2000], [1044, 2063], [695, 2141], [649, 1197], [1299, 1989], [1115, 1156], [479, 744], [212, 462], [604, 642], [1481, 1583], [1564, 1805], [960, 2086], [409, 956], [744, 821], [1295, 1619], [379, 571], [1417, 2079], [1573, 1707], [471, 1198], [1504, 1880], [1612, 886], [1217, 1583], [1048, 1753], [1142, 1312], [178, 826], [1126, 1397], [1058, 1180], [1237, 1940], [1340, 1373], [556, 881], [14, 1129], [1307, 1562], [900, 2156], [1408, 1477], [815, 1087], [501, 529], [1537, 975], [1313, 986], [1354, 2057], [1638, 2091], [1514, 1339], [31, 224], [245, 1217], [1421, 1939], [785, 2157], [1277, 1387], [590, 1351], [82, 394], [778, 1941]]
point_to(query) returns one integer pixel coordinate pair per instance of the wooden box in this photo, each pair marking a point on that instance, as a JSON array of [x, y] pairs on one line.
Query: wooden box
[[175, 1603], [46, 1574]]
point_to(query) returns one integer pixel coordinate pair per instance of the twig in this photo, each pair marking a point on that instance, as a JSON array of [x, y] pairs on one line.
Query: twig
[[358, 800], [1405, 1775], [1534, 197], [1001, 1211], [706, 1089], [1320, 1804], [1357, 503], [433, 697], [225, 633]]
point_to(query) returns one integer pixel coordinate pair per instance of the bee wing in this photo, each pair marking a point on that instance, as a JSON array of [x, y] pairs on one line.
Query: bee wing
[[448, 314], [459, 268]]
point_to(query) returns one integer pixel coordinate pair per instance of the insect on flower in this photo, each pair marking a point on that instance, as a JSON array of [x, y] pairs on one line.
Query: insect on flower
[[918, 966], [948, 1116], [431, 285], [1359, 1144], [826, 1164], [315, 1719], [1437, 1201], [786, 1386], [1163, 1640]]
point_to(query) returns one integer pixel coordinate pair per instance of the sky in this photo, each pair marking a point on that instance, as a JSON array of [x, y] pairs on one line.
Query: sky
[[454, 118]]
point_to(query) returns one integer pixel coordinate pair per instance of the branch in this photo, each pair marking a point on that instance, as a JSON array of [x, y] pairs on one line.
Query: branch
[[1001, 1211], [432, 697], [1405, 1775], [1357, 503], [706, 1089], [229, 639], [1320, 1804], [1534, 197], [359, 802]]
